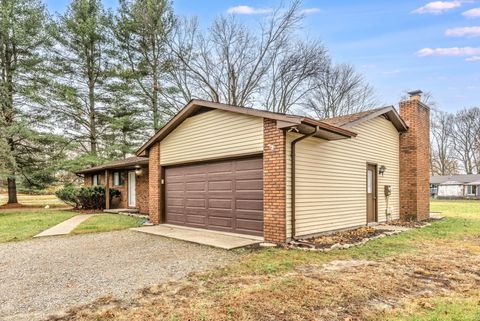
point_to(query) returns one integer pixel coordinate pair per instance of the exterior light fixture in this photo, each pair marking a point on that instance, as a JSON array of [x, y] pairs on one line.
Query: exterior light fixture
[[382, 170], [138, 170]]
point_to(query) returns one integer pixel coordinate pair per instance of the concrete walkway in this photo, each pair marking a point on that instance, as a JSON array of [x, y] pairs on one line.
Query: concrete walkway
[[218, 239], [66, 226]]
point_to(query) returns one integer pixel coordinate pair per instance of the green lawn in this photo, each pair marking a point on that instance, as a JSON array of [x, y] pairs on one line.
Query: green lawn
[[25, 223], [22, 224], [428, 274], [107, 222]]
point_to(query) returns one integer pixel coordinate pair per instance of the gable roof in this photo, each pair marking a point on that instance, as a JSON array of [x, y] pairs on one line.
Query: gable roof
[[348, 121], [465, 179], [129, 162], [301, 123]]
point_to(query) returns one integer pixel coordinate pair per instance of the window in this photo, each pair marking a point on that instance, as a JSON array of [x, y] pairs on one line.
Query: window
[[117, 179], [471, 189], [95, 180], [370, 182]]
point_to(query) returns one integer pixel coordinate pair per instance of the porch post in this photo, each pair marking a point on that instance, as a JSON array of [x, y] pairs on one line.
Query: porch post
[[107, 190]]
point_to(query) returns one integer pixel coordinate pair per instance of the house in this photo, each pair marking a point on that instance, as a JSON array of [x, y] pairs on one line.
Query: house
[[242, 170], [455, 186], [129, 176]]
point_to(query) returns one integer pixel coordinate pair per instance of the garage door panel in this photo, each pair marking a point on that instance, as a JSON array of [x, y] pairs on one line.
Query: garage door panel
[[196, 219], [220, 203], [176, 186], [190, 178], [176, 202], [195, 186], [222, 186], [216, 221], [249, 184], [220, 167], [226, 195], [196, 202], [249, 195], [255, 205], [249, 224], [252, 163], [249, 174], [176, 218]]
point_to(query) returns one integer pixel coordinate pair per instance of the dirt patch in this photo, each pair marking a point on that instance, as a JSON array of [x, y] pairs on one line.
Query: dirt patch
[[81, 211], [413, 224], [341, 239], [12, 205]]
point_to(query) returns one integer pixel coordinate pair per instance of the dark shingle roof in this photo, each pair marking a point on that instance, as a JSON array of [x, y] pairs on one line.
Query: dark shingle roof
[[464, 179], [128, 162]]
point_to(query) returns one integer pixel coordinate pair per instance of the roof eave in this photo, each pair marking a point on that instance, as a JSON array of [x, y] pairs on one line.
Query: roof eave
[[392, 114], [191, 107]]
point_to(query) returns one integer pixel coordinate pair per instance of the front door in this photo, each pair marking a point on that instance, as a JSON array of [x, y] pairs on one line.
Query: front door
[[131, 189], [371, 193]]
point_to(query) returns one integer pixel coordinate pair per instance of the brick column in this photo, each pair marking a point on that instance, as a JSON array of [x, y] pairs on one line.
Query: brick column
[[274, 183], [154, 184], [414, 160]]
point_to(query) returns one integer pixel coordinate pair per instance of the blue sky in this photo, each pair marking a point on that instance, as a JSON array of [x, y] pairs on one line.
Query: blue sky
[[396, 45]]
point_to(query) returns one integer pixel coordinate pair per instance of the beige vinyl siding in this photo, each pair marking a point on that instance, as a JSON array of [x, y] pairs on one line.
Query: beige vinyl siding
[[210, 135], [331, 178]]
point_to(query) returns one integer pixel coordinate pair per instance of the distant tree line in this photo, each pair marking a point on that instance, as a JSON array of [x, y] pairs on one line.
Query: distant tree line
[[455, 142], [91, 84]]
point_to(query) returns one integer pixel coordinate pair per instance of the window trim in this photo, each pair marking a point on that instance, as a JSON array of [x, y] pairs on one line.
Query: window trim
[[95, 179], [472, 192], [120, 180]]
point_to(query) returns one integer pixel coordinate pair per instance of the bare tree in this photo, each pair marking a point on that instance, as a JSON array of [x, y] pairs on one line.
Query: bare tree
[[292, 76], [442, 158], [236, 65], [466, 131], [340, 90]]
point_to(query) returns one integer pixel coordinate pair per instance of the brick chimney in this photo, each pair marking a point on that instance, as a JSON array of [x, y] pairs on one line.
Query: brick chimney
[[414, 159]]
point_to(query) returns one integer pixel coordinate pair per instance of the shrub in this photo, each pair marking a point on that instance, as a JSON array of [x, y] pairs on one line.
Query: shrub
[[92, 197], [69, 194]]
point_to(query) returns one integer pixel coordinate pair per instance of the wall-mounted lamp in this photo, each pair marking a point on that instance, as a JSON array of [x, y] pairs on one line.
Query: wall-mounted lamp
[[138, 170], [382, 170]]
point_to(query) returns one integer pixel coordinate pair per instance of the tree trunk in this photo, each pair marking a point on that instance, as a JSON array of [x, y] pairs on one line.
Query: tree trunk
[[12, 191]]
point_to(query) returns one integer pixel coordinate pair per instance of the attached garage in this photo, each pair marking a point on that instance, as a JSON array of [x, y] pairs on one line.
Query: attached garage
[[218, 195], [241, 170]]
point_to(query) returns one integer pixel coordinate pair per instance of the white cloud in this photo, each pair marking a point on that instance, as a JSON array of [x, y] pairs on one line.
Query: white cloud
[[454, 51], [472, 13], [438, 7], [474, 58], [310, 10], [248, 10], [463, 32]]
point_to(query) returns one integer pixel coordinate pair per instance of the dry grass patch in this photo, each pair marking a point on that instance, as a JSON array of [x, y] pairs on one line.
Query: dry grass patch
[[417, 275], [352, 290]]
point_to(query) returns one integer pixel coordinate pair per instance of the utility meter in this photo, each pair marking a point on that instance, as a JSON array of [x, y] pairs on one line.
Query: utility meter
[[388, 190]]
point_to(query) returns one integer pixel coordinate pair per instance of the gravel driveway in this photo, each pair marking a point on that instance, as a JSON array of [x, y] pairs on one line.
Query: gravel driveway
[[46, 276]]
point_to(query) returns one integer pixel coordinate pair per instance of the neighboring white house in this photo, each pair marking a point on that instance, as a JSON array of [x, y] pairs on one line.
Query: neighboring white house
[[455, 186]]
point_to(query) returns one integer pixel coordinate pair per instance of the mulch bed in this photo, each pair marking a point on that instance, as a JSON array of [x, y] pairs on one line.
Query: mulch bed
[[413, 224], [12, 205], [327, 241]]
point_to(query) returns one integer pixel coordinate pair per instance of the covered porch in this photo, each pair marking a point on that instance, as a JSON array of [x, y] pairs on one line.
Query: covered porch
[[129, 176]]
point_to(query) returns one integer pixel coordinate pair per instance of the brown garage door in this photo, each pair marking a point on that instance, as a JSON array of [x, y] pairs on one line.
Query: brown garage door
[[226, 196]]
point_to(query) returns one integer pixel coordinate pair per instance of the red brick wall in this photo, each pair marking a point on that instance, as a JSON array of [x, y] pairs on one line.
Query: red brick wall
[[142, 191], [154, 184], [414, 161], [87, 180], [274, 183]]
